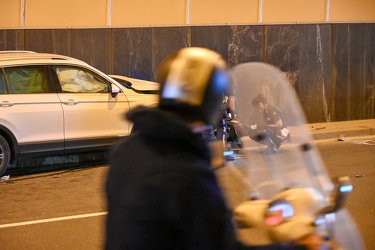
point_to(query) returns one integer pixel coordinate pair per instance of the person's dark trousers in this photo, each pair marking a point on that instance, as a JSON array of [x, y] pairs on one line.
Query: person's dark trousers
[[208, 135], [221, 130], [266, 136]]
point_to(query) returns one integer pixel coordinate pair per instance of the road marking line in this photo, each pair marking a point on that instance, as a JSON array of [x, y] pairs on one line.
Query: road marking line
[[52, 219]]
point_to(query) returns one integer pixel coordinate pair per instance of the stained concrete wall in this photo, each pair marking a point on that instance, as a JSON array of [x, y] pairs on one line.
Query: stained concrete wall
[[330, 65]]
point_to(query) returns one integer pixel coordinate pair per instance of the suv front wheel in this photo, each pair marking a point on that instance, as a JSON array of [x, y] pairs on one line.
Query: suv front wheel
[[4, 155]]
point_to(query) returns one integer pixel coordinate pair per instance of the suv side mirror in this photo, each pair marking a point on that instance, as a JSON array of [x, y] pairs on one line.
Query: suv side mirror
[[114, 90]]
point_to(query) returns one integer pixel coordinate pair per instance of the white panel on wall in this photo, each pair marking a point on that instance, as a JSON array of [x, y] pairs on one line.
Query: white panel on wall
[[66, 13], [10, 13]]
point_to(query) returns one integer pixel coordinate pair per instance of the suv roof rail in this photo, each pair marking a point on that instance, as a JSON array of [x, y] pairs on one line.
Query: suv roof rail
[[15, 51], [30, 55]]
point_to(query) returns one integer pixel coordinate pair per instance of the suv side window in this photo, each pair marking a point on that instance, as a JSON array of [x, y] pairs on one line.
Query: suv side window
[[79, 80], [3, 88], [26, 80]]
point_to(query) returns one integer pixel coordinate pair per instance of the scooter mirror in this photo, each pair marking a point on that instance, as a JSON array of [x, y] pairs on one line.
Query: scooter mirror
[[343, 187]]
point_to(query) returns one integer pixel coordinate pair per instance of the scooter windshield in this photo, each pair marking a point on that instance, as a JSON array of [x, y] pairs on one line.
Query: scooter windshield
[[278, 155]]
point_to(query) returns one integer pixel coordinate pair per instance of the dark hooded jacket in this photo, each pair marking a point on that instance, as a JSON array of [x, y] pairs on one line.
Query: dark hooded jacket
[[162, 192]]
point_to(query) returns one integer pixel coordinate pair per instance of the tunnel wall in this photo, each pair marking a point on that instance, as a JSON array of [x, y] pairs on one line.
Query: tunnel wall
[[331, 66]]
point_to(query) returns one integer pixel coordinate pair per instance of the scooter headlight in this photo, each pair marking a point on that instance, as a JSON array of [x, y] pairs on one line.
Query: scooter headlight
[[278, 211]]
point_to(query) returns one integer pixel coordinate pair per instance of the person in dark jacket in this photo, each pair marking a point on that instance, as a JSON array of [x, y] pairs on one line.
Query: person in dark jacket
[[162, 192], [274, 130]]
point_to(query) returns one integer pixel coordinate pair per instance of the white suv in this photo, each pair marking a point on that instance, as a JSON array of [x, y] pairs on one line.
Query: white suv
[[53, 104]]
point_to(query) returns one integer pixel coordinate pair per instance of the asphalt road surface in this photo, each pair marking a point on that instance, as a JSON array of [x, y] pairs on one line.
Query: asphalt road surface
[[66, 209]]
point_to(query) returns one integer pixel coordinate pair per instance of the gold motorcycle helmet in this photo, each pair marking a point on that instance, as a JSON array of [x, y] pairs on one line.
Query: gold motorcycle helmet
[[192, 83]]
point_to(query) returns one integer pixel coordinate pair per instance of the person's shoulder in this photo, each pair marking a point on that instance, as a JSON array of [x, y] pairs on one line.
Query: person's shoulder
[[124, 144], [272, 109]]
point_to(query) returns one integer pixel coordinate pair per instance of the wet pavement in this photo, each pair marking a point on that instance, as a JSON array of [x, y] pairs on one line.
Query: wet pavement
[[332, 130]]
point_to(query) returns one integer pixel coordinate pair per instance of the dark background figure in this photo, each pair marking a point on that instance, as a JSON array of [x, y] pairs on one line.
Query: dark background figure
[[162, 192], [274, 129], [220, 132]]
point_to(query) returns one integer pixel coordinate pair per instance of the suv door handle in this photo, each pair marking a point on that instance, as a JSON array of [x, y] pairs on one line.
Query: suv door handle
[[70, 102], [6, 104]]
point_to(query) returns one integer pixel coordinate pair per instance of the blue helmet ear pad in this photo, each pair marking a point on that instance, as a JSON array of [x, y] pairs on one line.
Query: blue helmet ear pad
[[215, 91]]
